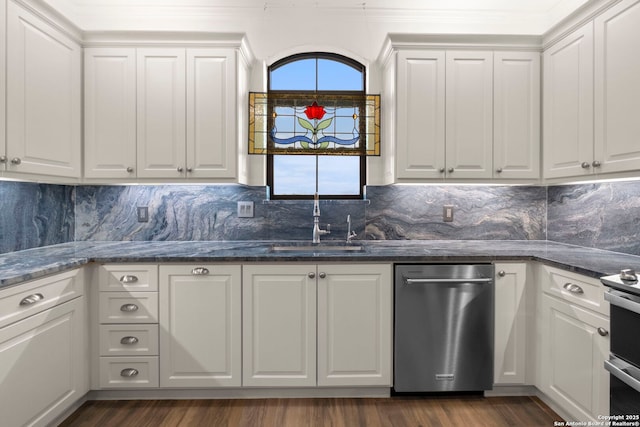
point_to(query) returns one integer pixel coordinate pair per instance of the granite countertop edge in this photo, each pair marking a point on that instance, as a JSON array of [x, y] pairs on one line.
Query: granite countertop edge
[[21, 266]]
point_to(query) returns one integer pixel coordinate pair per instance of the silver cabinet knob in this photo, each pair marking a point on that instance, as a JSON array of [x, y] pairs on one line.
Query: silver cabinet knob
[[441, 170], [31, 299], [189, 170], [3, 159], [596, 164], [323, 275], [180, 169], [312, 275], [603, 332], [499, 170], [16, 161], [200, 271], [585, 165], [129, 340], [450, 170], [129, 278], [128, 308], [129, 372], [573, 288], [502, 273], [129, 169]]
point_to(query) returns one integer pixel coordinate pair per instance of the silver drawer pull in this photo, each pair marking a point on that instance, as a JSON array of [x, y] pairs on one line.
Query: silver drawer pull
[[129, 372], [573, 288], [128, 278], [31, 299], [129, 340], [127, 308], [602, 332], [200, 271]]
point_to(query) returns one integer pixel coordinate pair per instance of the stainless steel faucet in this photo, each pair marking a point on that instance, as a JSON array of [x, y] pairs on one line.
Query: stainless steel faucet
[[317, 231], [350, 234]]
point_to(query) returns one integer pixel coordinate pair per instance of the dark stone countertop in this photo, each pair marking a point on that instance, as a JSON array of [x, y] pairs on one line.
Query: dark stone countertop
[[16, 267]]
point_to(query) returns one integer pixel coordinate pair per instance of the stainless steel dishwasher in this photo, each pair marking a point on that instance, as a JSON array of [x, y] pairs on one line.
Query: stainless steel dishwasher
[[443, 330]]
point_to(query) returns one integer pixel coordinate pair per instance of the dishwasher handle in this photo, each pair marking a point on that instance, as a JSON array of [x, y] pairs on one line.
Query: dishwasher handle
[[409, 281]]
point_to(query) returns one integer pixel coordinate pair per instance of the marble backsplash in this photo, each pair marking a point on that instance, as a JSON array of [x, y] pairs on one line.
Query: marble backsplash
[[199, 212], [602, 215], [35, 215]]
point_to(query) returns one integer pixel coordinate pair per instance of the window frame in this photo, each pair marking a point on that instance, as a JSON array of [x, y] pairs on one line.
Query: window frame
[[362, 159]]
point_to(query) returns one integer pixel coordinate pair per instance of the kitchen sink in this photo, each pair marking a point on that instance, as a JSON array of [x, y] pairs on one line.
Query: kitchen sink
[[317, 248]]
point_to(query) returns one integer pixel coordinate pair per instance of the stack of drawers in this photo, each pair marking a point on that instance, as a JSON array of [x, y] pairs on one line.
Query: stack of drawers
[[128, 316]]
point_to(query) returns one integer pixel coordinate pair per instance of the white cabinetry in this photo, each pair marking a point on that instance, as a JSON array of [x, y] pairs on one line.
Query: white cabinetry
[[128, 326], [568, 105], [200, 325], [464, 114], [574, 342], [354, 325], [516, 115], [617, 87], [510, 324], [279, 325], [3, 85], [43, 354], [110, 112], [353, 322], [162, 112], [43, 97], [469, 114]]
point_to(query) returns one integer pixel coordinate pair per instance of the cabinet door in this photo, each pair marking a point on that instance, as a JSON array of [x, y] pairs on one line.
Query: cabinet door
[[510, 324], [279, 325], [469, 114], [354, 325], [43, 97], [161, 113], [516, 115], [200, 326], [420, 137], [617, 87], [3, 87], [42, 365], [573, 355], [109, 112], [211, 113], [568, 105]]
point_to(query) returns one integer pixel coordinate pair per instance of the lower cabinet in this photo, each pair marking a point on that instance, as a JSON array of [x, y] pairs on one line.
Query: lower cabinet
[[200, 325], [324, 325], [574, 344], [43, 360], [510, 333]]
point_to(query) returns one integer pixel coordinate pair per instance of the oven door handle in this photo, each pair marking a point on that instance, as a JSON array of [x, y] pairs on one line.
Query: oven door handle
[[620, 373], [618, 299]]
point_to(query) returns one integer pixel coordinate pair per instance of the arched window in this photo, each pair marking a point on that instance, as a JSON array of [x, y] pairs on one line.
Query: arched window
[[322, 77]]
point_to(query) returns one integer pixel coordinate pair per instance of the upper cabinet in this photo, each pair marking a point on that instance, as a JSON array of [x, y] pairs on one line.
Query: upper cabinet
[[463, 114], [591, 93], [43, 114], [163, 113], [568, 105], [617, 87]]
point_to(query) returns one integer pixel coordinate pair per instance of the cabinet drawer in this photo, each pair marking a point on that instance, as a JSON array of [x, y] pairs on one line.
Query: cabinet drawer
[[127, 277], [128, 307], [128, 340], [29, 298], [577, 289], [129, 372]]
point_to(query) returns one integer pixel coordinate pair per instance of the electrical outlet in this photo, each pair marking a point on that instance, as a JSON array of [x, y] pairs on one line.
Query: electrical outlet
[[245, 209], [447, 213], [143, 213]]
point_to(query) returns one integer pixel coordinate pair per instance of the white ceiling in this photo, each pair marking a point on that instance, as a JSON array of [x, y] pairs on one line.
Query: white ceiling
[[359, 26]]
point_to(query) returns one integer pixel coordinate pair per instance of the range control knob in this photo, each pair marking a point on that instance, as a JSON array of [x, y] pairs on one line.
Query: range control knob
[[628, 274]]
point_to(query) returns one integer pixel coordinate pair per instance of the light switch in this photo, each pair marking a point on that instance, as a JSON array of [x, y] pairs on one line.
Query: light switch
[[447, 213], [245, 209]]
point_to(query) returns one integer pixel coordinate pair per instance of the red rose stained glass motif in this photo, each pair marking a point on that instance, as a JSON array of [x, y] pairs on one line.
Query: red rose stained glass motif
[[314, 111]]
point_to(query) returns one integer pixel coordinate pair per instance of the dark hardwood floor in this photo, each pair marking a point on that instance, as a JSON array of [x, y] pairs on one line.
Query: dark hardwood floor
[[395, 411]]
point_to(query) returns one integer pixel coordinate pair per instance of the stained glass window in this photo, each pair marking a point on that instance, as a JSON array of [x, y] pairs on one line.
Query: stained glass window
[[316, 124]]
